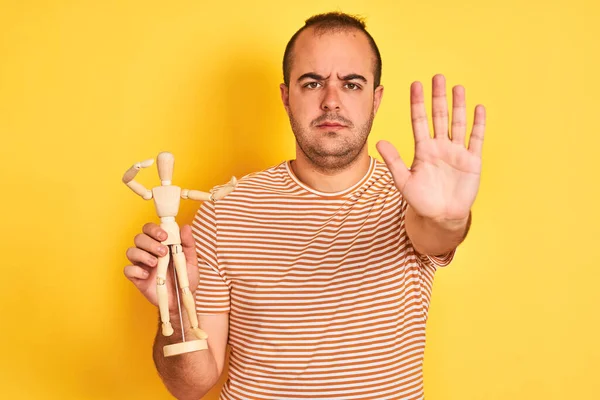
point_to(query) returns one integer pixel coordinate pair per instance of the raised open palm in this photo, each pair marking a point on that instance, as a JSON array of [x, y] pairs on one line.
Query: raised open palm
[[443, 181]]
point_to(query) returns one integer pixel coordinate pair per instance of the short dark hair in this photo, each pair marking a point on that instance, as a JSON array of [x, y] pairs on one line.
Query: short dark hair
[[328, 22]]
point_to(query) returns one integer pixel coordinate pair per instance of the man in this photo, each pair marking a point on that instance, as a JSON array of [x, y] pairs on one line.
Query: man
[[318, 271]]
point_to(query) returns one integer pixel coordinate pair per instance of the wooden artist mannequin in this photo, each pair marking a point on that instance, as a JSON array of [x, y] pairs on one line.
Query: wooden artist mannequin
[[166, 200]]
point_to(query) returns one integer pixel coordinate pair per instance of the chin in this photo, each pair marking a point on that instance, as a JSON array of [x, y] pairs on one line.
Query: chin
[[332, 159]]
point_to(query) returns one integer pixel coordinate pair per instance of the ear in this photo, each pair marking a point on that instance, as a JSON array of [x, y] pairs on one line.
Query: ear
[[377, 96], [285, 97]]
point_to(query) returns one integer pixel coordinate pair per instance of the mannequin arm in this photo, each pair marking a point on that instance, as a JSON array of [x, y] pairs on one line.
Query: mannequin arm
[[195, 195], [216, 193], [137, 187]]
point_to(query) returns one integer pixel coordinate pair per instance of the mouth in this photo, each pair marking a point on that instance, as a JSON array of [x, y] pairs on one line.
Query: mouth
[[331, 125]]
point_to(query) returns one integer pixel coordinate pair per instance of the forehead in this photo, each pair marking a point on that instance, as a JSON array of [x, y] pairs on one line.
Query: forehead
[[339, 52]]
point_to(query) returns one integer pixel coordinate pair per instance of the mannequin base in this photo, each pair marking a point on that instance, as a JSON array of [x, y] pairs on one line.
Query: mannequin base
[[184, 347]]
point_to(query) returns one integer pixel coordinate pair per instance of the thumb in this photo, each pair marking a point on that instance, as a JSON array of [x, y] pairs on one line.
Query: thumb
[[394, 162], [188, 243]]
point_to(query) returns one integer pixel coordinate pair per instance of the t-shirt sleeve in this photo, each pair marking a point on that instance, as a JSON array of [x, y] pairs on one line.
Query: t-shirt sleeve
[[432, 261], [212, 295]]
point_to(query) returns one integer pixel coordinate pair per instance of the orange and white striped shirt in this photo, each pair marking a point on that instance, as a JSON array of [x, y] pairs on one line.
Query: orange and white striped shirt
[[327, 299]]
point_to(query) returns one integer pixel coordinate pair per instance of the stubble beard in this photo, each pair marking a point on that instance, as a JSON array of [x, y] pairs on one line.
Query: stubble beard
[[333, 158]]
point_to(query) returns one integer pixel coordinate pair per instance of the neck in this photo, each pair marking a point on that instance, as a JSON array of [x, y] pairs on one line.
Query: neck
[[330, 181]]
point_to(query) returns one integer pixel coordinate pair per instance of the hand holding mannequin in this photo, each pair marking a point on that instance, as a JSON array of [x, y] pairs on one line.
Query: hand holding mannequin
[[152, 258], [144, 259]]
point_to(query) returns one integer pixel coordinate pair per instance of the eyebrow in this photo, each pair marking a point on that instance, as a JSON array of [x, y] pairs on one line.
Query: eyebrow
[[352, 77], [349, 77]]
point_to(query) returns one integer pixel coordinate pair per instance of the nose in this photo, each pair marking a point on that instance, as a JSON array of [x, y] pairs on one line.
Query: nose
[[331, 99]]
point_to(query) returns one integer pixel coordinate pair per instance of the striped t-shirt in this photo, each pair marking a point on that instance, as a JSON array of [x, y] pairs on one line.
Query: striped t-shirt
[[327, 299]]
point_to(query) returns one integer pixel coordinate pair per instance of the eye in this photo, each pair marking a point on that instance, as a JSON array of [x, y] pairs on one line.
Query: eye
[[312, 85], [352, 86]]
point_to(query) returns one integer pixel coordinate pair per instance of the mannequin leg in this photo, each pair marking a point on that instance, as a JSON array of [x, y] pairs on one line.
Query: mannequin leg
[[162, 294], [184, 284]]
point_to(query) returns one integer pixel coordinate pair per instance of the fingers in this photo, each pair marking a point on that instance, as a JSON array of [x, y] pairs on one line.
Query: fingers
[[459, 115], [188, 244], [476, 139], [394, 162], [153, 247], [439, 107], [147, 249], [136, 272], [154, 231], [418, 114], [187, 239], [440, 114], [139, 256]]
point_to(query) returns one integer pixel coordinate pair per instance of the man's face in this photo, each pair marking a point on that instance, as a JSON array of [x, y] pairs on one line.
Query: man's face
[[330, 99]]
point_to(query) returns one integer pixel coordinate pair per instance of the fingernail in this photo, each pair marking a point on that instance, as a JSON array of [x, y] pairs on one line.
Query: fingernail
[[162, 236], [145, 274], [153, 261], [162, 250]]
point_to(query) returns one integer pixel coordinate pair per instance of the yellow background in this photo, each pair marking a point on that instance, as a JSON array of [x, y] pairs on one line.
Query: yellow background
[[87, 88]]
